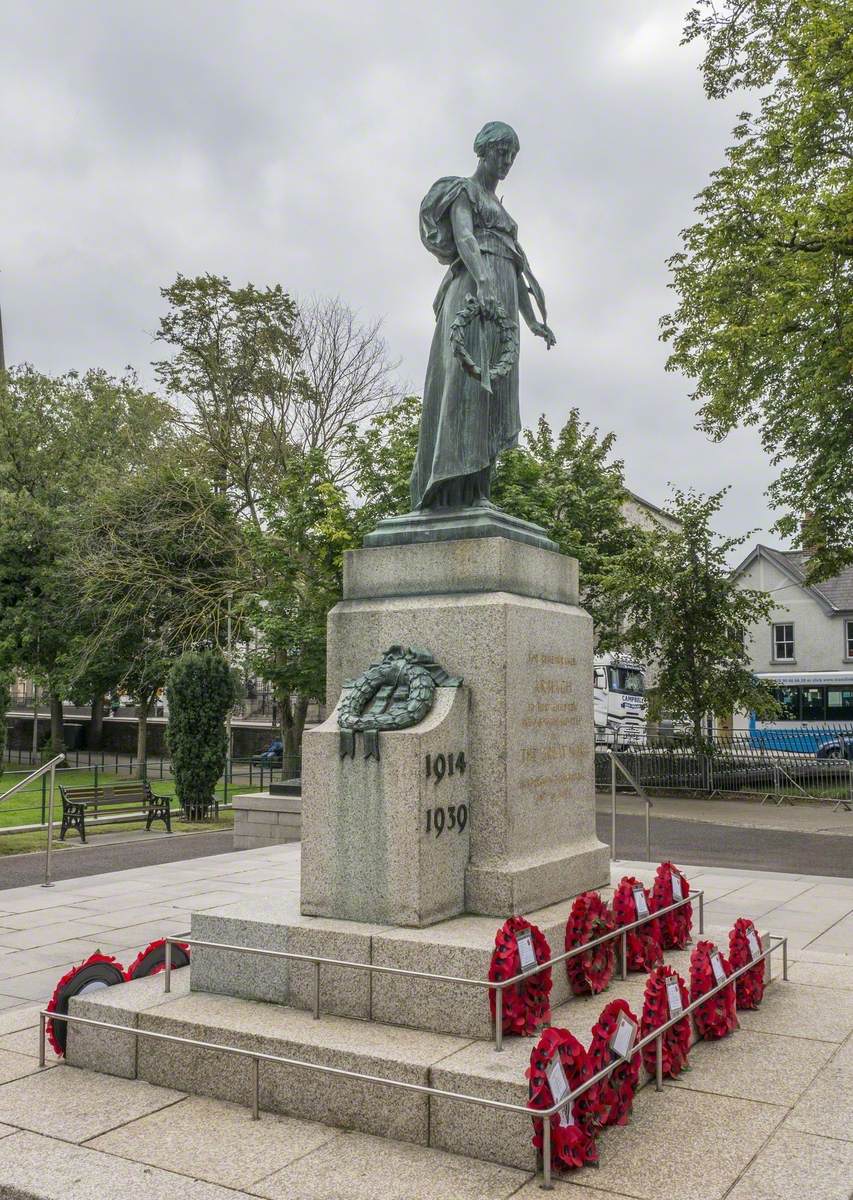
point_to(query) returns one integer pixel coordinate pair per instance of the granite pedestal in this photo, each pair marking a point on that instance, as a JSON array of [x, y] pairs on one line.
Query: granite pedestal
[[503, 615]]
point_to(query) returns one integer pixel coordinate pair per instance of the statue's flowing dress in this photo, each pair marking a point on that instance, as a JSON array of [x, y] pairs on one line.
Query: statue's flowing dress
[[463, 427]]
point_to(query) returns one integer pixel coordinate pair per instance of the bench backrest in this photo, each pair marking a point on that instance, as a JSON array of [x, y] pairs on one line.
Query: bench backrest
[[135, 791]]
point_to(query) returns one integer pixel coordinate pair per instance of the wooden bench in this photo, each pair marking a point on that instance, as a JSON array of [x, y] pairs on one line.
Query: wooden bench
[[135, 797]]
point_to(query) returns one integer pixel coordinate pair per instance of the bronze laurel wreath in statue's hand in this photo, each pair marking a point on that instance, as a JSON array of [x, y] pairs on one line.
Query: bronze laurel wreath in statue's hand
[[507, 344]]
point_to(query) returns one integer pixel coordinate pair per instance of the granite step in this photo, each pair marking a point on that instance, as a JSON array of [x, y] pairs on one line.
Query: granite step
[[385, 1051]]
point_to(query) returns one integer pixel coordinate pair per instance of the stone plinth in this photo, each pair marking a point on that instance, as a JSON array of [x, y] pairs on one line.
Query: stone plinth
[[387, 840], [504, 616], [266, 819]]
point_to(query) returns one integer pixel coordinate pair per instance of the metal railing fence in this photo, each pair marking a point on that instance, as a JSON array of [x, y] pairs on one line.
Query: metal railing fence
[[257, 1057], [32, 805], [735, 765], [621, 932]]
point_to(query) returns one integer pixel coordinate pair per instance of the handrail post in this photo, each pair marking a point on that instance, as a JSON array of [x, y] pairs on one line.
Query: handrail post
[[499, 1019], [255, 1090], [167, 969], [648, 832], [42, 1020], [47, 879], [612, 806], [317, 990], [624, 957], [547, 1185], [702, 912], [659, 1063], [785, 959]]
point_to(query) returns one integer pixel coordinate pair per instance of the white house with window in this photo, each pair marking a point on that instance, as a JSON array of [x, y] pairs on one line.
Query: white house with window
[[806, 647]]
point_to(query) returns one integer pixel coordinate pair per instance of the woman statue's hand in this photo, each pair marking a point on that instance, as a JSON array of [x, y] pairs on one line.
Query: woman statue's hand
[[539, 329], [488, 298]]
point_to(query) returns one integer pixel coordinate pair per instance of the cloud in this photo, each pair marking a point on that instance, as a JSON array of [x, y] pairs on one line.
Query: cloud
[[293, 142]]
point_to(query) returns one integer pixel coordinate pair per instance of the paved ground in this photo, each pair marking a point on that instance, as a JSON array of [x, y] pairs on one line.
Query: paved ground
[[722, 833], [114, 852], [765, 1115]]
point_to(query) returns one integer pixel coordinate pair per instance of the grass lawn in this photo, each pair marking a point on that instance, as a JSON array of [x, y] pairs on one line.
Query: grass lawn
[[24, 843]]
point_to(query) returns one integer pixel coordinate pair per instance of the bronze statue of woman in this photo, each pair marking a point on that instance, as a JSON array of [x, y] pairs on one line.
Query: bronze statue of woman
[[470, 408]]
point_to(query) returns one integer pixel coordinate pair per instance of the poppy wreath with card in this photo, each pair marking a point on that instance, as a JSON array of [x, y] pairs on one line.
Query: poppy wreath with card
[[526, 1005], [675, 926], [572, 1145], [676, 1040], [643, 943], [716, 1018], [589, 919], [616, 1093], [749, 988]]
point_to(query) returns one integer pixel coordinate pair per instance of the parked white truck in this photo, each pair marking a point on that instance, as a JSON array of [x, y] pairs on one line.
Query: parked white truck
[[619, 700]]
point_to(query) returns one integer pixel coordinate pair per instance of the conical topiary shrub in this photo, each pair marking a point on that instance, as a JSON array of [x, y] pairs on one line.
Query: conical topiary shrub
[[200, 691]]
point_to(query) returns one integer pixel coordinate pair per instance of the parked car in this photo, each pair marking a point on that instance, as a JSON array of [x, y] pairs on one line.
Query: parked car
[[272, 756], [840, 747]]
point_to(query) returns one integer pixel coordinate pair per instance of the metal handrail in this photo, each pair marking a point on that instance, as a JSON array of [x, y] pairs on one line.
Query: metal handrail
[[621, 932], [42, 770], [258, 1056], [16, 787]]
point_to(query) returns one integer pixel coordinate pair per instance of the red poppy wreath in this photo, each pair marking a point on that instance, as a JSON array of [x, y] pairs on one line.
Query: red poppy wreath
[[98, 971], [616, 1093], [716, 1018], [643, 944], [559, 1061], [744, 945], [669, 886], [663, 987], [526, 1005], [589, 919]]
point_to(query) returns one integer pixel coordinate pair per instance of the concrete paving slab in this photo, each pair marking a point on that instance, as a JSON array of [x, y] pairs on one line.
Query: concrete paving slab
[[22, 1017], [75, 1105], [826, 1108], [31, 1165], [798, 1010], [11, 1002], [682, 1145], [347, 1167], [791, 1167], [819, 974], [38, 985], [49, 915], [756, 1066], [25, 962], [61, 931], [241, 1151], [23, 1041], [15, 1066]]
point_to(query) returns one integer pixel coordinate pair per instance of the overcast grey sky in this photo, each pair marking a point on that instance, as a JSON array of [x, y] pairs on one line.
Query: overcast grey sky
[[287, 141]]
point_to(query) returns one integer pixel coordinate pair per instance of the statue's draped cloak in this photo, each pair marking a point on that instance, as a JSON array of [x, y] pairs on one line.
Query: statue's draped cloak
[[463, 427]]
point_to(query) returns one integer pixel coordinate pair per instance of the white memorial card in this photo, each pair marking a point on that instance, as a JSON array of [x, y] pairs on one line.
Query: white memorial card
[[526, 953], [673, 995], [677, 891], [623, 1036], [640, 902], [559, 1086], [718, 968], [753, 943]]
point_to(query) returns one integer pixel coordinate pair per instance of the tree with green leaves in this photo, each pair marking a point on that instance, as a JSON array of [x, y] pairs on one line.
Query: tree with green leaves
[[159, 558], [682, 608], [61, 438], [200, 692], [764, 323], [571, 485]]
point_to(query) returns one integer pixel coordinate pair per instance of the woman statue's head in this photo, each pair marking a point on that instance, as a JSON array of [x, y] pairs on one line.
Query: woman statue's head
[[496, 145]]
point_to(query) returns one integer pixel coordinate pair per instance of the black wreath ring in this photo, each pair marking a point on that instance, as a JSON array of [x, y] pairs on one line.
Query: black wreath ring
[[507, 343]]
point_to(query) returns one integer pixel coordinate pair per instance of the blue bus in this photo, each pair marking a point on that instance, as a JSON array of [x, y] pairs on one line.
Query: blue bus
[[817, 711]]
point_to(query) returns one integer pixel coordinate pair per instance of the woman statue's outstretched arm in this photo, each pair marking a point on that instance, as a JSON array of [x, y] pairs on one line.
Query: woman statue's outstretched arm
[[462, 220], [537, 327]]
